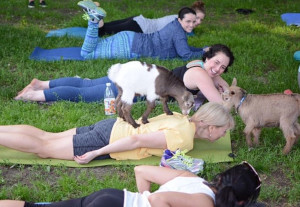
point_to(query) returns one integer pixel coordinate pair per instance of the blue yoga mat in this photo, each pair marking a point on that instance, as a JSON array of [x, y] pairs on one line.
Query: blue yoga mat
[[69, 31], [68, 53], [297, 55], [291, 18]]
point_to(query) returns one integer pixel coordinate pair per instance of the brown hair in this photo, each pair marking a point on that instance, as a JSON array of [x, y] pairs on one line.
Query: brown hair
[[198, 6]]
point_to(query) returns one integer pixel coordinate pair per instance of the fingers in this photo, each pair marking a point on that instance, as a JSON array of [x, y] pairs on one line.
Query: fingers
[[221, 89], [80, 160]]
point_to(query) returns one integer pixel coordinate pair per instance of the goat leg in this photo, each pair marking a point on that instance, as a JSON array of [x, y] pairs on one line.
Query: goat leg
[[256, 133], [119, 107], [126, 109], [119, 103], [289, 134], [297, 131], [289, 143], [165, 105], [150, 107], [248, 131]]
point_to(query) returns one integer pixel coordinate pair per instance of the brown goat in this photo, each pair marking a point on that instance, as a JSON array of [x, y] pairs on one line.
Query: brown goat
[[265, 110], [137, 78]]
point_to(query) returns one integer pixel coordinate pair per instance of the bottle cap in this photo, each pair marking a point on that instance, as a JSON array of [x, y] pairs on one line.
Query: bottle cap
[[108, 84]]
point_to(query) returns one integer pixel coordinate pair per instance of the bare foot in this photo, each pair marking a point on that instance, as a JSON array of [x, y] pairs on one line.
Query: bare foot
[[25, 95], [32, 95], [34, 85]]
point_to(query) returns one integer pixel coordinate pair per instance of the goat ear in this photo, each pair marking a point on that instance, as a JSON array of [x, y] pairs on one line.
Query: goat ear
[[234, 82]]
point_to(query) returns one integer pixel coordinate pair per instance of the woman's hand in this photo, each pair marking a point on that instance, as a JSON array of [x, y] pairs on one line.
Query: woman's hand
[[85, 158], [220, 89]]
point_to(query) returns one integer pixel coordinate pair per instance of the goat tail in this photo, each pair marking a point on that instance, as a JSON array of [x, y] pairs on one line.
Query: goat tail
[[113, 71]]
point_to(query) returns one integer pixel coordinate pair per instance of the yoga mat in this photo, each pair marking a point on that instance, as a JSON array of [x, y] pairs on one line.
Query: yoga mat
[[291, 18], [210, 152], [69, 31], [297, 55], [67, 53]]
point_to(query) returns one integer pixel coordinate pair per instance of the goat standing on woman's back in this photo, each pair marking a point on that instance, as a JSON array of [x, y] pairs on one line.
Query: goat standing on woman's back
[[137, 78]]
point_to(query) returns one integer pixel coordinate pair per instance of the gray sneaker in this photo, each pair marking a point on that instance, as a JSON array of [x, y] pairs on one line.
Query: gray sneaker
[[92, 10]]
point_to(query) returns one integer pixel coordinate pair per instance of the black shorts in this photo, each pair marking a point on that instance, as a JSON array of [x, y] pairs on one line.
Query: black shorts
[[93, 137]]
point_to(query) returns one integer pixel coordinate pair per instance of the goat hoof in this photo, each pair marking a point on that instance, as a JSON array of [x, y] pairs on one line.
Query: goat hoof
[[250, 149], [136, 125], [285, 152], [145, 121], [169, 113]]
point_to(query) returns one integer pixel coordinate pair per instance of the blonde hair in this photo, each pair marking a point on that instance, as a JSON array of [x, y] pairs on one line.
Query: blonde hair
[[198, 6], [213, 114]]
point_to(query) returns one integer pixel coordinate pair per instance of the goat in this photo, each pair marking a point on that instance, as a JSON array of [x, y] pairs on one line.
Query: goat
[[137, 78], [265, 110]]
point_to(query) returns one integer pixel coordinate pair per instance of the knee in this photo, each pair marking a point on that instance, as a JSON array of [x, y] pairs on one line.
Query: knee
[[43, 149], [86, 55]]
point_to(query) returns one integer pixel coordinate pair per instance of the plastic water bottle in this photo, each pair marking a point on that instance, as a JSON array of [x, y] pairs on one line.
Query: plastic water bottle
[[109, 100]]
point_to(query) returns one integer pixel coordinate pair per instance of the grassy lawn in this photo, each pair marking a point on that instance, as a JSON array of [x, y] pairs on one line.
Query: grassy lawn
[[261, 42]]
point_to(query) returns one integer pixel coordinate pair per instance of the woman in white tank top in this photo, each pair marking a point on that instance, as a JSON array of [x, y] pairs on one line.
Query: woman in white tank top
[[238, 186]]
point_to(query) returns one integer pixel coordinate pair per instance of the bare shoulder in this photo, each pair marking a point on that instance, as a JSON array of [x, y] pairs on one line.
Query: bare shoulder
[[195, 71], [196, 74]]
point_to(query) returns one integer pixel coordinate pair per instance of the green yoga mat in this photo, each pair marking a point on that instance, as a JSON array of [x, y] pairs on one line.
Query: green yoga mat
[[209, 152]]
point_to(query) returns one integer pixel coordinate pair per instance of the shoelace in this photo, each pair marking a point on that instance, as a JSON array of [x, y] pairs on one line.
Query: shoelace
[[85, 16], [187, 160]]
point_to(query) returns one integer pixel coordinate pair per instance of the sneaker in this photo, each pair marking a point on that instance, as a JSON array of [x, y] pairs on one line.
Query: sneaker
[[92, 10], [43, 4], [31, 5], [180, 161]]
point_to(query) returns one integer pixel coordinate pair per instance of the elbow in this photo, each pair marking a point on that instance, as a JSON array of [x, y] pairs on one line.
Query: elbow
[[138, 169], [135, 141], [156, 200]]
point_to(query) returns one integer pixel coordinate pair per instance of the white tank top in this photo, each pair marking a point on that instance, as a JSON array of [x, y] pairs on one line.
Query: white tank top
[[179, 184]]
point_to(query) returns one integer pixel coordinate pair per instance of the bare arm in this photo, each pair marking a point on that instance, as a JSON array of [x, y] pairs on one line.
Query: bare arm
[[145, 175], [12, 203], [155, 140], [197, 78], [177, 199]]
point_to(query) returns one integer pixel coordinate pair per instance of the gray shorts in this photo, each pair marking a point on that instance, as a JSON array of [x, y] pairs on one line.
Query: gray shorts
[[93, 137]]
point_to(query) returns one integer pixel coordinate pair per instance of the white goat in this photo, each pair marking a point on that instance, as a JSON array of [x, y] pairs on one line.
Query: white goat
[[137, 78]]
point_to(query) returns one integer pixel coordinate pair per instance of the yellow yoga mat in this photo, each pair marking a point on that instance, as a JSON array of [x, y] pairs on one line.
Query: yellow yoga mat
[[210, 152]]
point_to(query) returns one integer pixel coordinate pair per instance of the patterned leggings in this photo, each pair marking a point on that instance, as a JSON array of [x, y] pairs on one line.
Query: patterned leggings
[[115, 46]]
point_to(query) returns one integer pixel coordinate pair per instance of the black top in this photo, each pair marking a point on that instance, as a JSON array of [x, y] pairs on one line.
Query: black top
[[179, 73]]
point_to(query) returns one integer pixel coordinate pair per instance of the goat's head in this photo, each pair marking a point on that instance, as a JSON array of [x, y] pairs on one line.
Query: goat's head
[[232, 95], [186, 102]]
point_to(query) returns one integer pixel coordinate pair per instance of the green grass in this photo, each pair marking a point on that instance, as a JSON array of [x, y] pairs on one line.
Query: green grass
[[263, 47]]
